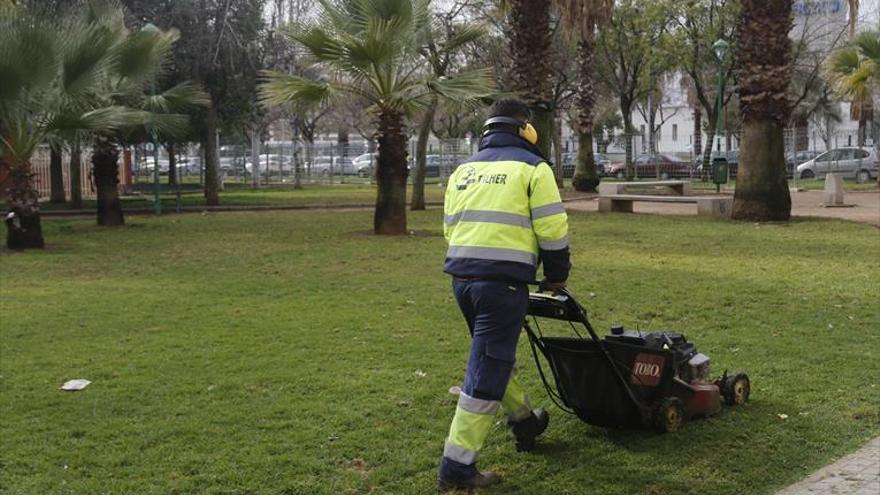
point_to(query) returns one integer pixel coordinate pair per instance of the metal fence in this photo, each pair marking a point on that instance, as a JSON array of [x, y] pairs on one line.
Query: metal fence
[[283, 163], [40, 167]]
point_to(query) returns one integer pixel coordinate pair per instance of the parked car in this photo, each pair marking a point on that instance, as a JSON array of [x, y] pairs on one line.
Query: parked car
[[271, 163], [363, 164], [147, 164], [794, 158], [660, 166], [568, 164], [856, 163], [327, 165], [436, 165]]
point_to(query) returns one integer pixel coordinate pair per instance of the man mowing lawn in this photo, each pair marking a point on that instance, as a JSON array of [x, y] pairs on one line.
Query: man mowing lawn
[[503, 214]]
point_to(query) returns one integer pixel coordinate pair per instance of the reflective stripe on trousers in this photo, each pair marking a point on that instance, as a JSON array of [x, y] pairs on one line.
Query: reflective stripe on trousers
[[494, 312]]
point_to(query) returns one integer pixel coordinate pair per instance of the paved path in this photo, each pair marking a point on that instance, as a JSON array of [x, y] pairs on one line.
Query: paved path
[[807, 203], [855, 474]]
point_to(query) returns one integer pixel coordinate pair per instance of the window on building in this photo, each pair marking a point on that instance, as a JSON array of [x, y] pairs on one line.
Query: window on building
[[675, 132]]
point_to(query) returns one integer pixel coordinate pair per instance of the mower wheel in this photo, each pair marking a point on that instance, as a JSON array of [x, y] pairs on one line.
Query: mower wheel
[[669, 415], [736, 389]]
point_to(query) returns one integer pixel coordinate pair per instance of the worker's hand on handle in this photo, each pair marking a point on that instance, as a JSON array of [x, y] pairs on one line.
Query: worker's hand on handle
[[553, 287]]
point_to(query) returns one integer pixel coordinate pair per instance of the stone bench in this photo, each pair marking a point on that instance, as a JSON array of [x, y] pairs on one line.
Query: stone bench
[[707, 206], [682, 188]]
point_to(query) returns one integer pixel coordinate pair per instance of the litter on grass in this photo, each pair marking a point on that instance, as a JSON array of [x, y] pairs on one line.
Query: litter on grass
[[74, 385]]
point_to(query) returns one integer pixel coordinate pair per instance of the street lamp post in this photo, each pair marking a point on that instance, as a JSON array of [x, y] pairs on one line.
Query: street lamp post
[[720, 47], [154, 137]]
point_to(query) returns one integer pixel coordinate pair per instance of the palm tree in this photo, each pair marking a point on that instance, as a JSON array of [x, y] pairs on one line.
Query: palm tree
[[764, 72], [64, 78], [852, 71], [530, 42], [854, 74], [370, 47], [131, 63], [581, 18], [49, 67]]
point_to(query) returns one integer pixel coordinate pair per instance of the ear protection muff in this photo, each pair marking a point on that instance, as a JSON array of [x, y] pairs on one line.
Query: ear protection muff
[[526, 130], [529, 133]]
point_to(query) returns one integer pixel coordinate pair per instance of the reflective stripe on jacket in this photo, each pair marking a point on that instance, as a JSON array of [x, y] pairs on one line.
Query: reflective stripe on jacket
[[503, 215]]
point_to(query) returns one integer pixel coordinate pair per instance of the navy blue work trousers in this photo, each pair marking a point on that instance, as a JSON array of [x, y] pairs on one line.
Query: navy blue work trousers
[[495, 312]]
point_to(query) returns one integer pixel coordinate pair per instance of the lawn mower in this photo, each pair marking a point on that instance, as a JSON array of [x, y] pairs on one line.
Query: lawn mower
[[629, 378]]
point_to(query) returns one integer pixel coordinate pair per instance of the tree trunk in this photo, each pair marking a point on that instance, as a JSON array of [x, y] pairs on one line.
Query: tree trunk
[[862, 133], [530, 51], [626, 110], [212, 160], [23, 228], [652, 120], [761, 185], [390, 214], [557, 153], [585, 178], [707, 152], [105, 169], [75, 175], [342, 142], [56, 174], [417, 202], [698, 132], [172, 164], [764, 73]]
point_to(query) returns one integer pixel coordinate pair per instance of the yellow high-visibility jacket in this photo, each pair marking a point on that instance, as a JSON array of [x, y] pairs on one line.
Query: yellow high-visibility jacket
[[503, 215]]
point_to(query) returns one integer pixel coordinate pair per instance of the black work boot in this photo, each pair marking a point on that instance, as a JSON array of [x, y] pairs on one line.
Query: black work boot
[[457, 476], [527, 430], [479, 480]]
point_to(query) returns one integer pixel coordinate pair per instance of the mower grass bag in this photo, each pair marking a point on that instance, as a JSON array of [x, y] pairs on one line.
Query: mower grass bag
[[629, 379]]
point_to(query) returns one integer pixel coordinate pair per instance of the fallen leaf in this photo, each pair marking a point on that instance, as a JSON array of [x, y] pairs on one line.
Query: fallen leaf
[[420, 373], [783, 416]]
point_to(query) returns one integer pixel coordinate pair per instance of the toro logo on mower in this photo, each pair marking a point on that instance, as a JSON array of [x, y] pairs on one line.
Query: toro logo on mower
[[647, 369]]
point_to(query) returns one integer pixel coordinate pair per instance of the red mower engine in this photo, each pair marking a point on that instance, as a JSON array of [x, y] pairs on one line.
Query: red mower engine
[[692, 392]]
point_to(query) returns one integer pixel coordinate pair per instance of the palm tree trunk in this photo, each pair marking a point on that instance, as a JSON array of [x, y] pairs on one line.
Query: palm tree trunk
[[212, 165], [23, 228], [56, 174], [105, 169], [417, 202], [390, 214], [764, 68], [75, 175], [530, 51], [585, 176]]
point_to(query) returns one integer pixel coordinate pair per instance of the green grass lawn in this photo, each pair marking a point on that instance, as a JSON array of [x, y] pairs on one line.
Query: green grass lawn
[[292, 353]]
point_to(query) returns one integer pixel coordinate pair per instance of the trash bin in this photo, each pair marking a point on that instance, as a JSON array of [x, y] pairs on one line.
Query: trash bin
[[719, 172]]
